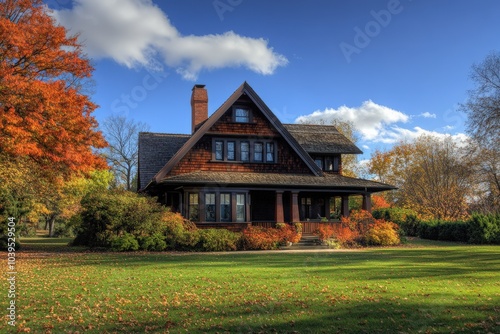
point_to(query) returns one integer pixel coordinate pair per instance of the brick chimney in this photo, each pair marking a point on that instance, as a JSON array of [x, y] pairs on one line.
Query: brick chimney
[[199, 106]]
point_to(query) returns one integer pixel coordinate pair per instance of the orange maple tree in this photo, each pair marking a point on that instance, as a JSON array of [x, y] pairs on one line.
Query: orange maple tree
[[43, 112]]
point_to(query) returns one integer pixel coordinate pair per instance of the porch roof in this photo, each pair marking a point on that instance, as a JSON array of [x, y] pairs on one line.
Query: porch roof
[[274, 180]]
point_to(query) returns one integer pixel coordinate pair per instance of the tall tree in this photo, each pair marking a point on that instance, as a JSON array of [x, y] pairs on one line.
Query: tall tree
[[433, 175], [483, 124], [43, 113], [483, 103], [122, 152]]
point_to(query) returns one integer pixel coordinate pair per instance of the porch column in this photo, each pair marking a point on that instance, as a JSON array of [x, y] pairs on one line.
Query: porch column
[[295, 207], [367, 202], [279, 214], [344, 210], [327, 207]]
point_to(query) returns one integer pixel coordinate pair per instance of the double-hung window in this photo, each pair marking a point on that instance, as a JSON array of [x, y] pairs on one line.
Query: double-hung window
[[210, 207], [269, 152], [258, 150], [193, 207], [240, 207], [219, 150], [244, 151], [231, 155], [225, 207]]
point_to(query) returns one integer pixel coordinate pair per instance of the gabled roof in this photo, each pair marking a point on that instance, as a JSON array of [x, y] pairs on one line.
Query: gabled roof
[[244, 89], [155, 150], [324, 139]]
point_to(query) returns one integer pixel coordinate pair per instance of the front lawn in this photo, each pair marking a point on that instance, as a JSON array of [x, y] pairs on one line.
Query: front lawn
[[437, 288]]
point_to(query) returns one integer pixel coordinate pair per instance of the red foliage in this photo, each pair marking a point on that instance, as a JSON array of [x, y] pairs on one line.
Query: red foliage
[[379, 202], [255, 237], [43, 113], [344, 233]]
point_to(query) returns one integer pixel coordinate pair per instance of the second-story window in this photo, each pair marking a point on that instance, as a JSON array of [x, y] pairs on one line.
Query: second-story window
[[219, 150], [258, 149], [230, 151], [245, 151], [269, 152], [241, 115]]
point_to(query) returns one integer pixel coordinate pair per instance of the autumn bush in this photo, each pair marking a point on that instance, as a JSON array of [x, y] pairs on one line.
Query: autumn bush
[[406, 219], [289, 233], [344, 234], [360, 228], [382, 233], [256, 237]]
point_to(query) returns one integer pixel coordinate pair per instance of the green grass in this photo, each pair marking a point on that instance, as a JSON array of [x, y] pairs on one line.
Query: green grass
[[421, 288]]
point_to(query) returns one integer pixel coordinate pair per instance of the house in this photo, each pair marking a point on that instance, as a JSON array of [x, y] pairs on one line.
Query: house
[[242, 166]]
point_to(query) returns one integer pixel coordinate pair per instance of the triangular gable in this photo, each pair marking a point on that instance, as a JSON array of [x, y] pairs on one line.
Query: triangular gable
[[202, 130]]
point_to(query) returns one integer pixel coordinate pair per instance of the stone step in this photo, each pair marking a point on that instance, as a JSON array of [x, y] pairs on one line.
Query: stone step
[[307, 241]]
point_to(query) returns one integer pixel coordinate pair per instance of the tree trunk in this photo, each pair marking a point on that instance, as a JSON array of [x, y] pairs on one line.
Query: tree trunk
[[51, 222]]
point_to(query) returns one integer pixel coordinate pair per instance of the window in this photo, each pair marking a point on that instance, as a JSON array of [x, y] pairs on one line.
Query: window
[[332, 164], [230, 151], [210, 207], [245, 151], [219, 150], [257, 151], [328, 164], [225, 207], [319, 162], [242, 115], [269, 152], [193, 207], [240, 207]]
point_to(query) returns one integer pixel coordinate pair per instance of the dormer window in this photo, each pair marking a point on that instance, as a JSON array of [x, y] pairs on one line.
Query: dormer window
[[241, 115]]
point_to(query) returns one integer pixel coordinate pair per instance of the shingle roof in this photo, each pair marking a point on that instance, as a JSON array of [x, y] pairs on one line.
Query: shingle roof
[[322, 139], [335, 181], [155, 150]]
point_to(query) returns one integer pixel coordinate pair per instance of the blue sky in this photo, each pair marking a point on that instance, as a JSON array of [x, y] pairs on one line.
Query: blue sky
[[397, 69]]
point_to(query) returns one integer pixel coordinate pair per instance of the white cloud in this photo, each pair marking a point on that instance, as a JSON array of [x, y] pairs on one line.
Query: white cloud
[[370, 119], [377, 123], [427, 115], [135, 32]]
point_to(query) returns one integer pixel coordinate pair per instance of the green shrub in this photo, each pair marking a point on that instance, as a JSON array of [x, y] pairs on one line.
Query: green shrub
[[429, 230], [114, 212], [332, 243], [484, 229], [218, 240], [155, 243], [124, 243]]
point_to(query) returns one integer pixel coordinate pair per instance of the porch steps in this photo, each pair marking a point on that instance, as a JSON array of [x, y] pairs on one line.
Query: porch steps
[[308, 241]]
